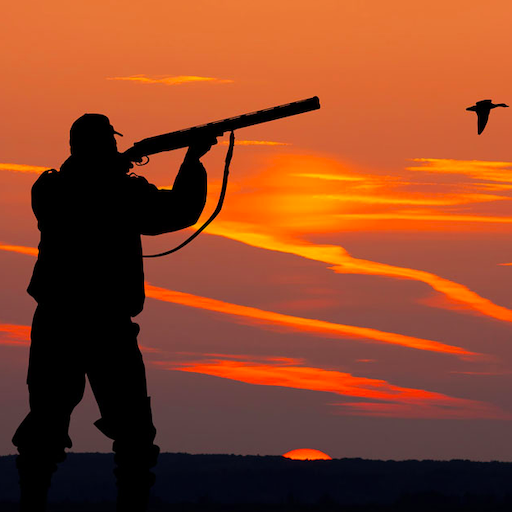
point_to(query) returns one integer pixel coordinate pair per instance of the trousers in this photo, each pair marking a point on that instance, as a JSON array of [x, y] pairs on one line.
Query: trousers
[[68, 346]]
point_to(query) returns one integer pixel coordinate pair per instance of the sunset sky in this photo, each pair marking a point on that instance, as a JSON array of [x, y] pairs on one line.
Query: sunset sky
[[355, 294]]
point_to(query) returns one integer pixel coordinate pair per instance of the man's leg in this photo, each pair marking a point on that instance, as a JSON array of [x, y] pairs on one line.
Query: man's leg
[[56, 386], [118, 381]]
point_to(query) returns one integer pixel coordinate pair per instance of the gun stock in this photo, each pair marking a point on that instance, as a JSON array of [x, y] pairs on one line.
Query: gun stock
[[184, 138]]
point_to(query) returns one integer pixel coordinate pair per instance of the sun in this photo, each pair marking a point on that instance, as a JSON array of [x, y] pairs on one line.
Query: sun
[[306, 454]]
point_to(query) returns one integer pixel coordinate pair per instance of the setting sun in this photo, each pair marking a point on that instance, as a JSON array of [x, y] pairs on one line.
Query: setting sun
[[306, 454]]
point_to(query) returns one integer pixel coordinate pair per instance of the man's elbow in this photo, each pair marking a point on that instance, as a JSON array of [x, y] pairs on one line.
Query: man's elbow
[[189, 214], [192, 218]]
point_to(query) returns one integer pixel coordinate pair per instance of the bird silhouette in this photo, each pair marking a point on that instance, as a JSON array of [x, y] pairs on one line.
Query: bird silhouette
[[482, 109]]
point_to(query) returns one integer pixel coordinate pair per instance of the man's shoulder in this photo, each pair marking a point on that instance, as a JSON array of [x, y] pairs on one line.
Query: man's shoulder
[[48, 174], [47, 178]]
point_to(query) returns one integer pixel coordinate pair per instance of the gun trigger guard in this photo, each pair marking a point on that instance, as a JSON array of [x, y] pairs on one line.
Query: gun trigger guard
[[142, 162]]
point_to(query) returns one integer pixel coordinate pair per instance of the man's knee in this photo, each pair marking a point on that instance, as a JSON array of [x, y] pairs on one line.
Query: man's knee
[[133, 434], [43, 436]]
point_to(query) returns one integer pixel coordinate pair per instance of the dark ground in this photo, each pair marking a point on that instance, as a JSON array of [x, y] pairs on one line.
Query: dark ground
[[232, 483]]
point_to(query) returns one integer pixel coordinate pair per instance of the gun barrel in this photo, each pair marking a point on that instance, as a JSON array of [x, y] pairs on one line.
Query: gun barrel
[[184, 138]]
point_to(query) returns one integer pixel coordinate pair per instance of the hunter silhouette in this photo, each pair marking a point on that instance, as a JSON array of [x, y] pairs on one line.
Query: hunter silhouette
[[88, 282]]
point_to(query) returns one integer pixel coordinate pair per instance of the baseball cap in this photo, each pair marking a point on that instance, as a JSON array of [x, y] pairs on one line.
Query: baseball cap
[[88, 124]]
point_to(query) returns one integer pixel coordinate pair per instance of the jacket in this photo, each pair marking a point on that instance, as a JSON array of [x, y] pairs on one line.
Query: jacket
[[91, 222]]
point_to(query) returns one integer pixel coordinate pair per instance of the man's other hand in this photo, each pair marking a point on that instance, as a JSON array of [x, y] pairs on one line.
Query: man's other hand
[[200, 147]]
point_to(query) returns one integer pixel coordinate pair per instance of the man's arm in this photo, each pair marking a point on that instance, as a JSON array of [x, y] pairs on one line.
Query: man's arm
[[163, 211]]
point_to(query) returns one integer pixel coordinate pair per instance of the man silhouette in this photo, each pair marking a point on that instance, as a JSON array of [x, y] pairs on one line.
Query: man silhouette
[[88, 282]]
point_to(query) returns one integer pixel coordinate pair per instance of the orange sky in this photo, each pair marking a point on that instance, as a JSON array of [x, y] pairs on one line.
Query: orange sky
[[363, 251]]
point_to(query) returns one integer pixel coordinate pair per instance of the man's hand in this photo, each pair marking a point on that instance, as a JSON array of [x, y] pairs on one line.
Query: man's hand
[[201, 147]]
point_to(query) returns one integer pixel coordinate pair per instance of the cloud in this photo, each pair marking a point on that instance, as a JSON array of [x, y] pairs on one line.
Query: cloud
[[342, 262], [21, 249], [328, 177], [170, 80], [476, 169], [300, 323], [455, 408], [296, 196], [12, 334], [445, 200], [418, 216], [394, 401], [37, 169]]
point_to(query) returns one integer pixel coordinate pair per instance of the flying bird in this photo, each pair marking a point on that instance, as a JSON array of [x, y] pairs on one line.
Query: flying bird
[[482, 109]]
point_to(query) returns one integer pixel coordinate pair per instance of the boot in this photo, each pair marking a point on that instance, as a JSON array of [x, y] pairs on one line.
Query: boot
[[33, 497], [133, 490], [34, 478]]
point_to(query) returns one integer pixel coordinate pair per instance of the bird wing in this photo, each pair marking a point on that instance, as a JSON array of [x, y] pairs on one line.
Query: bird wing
[[483, 117]]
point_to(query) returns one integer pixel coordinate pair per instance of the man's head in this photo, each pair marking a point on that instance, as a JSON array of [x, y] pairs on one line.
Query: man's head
[[92, 136]]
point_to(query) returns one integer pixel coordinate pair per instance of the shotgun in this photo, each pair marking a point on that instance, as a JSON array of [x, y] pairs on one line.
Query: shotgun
[[184, 138]]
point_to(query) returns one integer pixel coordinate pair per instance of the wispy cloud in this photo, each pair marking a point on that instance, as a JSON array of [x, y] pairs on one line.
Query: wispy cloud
[[37, 169], [170, 80], [328, 177], [476, 169], [21, 249], [12, 334], [449, 408], [393, 400], [301, 323], [418, 216], [342, 262], [296, 196], [444, 200]]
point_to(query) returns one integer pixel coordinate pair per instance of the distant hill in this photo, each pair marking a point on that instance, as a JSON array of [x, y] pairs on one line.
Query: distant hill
[[234, 482]]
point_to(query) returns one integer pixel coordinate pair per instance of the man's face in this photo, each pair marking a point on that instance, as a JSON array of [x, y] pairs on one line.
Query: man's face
[[96, 145], [108, 145]]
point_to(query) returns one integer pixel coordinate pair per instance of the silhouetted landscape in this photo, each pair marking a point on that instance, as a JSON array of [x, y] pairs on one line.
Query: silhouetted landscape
[[84, 482]]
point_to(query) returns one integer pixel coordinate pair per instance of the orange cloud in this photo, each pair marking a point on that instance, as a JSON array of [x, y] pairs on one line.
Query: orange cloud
[[296, 195], [12, 334], [445, 200], [300, 323], [21, 249], [476, 169], [303, 324], [328, 177], [247, 357], [398, 401], [427, 217], [343, 262], [170, 80], [37, 169]]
